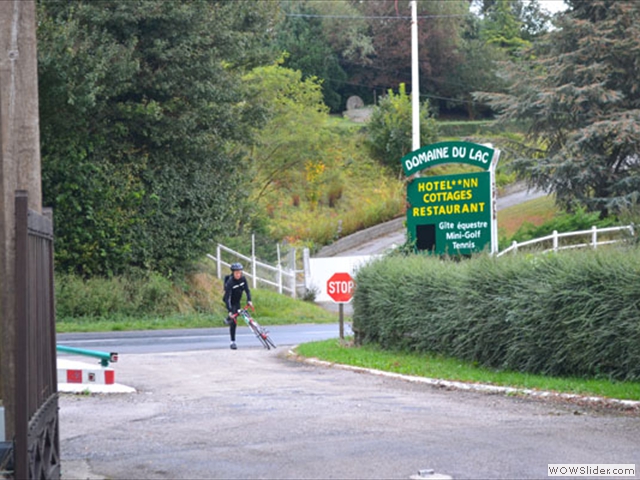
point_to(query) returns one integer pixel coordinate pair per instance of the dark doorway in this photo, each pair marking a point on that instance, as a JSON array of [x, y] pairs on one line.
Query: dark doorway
[[426, 237]]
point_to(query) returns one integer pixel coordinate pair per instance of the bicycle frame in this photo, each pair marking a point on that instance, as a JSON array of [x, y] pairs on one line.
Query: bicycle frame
[[260, 332]]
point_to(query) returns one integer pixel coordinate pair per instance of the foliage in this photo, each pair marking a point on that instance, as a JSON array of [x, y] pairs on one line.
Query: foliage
[[364, 48], [565, 222], [503, 28], [102, 297], [352, 192], [570, 314], [318, 45], [475, 72], [292, 139], [390, 129], [440, 30], [532, 20], [579, 92], [533, 212], [311, 180], [138, 123], [152, 302]]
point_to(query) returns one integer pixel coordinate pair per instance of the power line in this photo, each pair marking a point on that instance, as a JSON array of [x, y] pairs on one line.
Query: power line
[[357, 17], [386, 88]]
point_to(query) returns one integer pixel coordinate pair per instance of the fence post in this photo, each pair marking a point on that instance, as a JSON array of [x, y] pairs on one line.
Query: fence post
[[279, 269], [218, 260], [594, 236], [253, 260], [555, 240], [515, 246], [294, 285], [21, 360], [306, 268]]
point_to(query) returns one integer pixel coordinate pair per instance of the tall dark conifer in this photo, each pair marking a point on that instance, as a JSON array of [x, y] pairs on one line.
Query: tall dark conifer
[[579, 93]]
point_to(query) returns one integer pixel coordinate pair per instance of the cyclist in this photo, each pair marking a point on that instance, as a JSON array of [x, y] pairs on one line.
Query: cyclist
[[234, 285]]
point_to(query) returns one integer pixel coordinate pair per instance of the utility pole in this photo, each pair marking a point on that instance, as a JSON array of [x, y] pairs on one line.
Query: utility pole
[[415, 75], [19, 167]]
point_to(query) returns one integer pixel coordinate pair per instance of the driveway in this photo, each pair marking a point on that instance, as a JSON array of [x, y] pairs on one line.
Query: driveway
[[253, 413]]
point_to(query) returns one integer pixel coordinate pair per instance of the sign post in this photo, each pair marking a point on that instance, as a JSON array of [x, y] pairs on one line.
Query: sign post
[[452, 214], [340, 288]]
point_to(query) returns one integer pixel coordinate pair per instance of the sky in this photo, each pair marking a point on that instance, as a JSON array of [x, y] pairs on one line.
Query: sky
[[553, 6]]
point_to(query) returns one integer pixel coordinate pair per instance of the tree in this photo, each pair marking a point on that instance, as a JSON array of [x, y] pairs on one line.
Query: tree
[[503, 28], [390, 128], [475, 72], [440, 30], [578, 91], [139, 122], [321, 39], [290, 149]]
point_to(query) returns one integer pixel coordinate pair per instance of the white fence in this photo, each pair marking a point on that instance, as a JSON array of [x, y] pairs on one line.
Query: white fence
[[282, 279], [555, 238]]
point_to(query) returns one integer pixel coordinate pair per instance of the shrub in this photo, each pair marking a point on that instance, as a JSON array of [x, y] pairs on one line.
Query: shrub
[[135, 295], [565, 222], [571, 314], [390, 128]]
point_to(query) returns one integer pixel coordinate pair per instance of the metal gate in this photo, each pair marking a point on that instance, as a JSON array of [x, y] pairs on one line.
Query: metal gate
[[37, 444]]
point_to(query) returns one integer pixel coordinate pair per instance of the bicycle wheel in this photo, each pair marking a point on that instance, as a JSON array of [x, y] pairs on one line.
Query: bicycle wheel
[[257, 332], [265, 336], [270, 342]]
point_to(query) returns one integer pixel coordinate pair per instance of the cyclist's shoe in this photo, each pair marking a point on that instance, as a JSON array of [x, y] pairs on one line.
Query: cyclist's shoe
[[233, 346], [227, 321]]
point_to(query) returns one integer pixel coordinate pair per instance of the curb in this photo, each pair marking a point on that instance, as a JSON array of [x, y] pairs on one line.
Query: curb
[[70, 371], [89, 388], [594, 401], [350, 241], [79, 377]]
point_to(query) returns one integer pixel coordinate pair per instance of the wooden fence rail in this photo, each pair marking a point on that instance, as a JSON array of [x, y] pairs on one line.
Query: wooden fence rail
[[594, 233]]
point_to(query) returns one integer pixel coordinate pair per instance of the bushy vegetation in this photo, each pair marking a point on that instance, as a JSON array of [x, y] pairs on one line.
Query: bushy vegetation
[[569, 314], [564, 222], [128, 296], [142, 112], [390, 129], [152, 302]]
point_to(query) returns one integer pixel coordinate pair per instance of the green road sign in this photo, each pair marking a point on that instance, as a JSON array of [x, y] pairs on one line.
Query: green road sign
[[451, 214], [448, 152]]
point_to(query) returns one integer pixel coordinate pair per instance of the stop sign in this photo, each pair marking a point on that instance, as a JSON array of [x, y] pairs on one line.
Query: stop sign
[[340, 287]]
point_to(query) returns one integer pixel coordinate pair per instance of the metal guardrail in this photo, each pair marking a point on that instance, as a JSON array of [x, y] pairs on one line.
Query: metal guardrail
[[104, 357], [555, 238]]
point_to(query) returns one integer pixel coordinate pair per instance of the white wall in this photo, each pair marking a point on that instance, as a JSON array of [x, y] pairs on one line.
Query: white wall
[[321, 270]]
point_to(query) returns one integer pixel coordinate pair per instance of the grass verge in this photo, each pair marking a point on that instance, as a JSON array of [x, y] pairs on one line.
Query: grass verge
[[452, 369], [271, 309], [535, 212]]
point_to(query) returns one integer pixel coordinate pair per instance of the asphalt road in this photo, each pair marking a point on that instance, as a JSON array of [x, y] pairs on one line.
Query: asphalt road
[[161, 341], [253, 413]]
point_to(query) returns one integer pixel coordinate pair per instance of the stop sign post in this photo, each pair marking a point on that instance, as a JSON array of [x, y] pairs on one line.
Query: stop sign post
[[340, 288]]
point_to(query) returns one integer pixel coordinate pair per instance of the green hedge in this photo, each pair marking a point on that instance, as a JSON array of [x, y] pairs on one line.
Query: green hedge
[[103, 297], [572, 314]]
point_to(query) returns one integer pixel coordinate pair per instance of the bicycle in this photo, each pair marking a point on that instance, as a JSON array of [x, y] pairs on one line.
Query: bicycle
[[255, 327]]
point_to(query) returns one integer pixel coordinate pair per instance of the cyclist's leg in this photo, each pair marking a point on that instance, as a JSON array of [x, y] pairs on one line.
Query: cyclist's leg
[[233, 325], [232, 331]]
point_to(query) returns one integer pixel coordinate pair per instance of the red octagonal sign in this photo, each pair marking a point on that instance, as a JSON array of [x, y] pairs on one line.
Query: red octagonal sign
[[340, 287]]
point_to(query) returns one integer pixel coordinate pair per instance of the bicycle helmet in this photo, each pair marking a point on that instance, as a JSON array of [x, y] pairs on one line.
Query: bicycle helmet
[[236, 266]]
